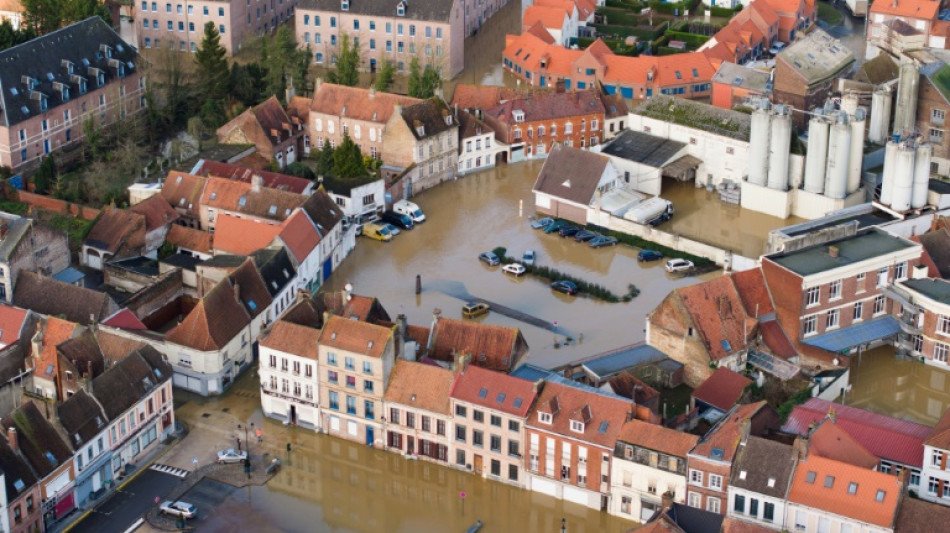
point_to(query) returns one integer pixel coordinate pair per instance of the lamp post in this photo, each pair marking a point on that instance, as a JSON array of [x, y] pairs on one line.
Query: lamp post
[[246, 441], [563, 525]]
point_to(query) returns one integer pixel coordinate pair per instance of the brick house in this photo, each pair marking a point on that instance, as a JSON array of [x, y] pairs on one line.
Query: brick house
[[572, 431], [175, 26], [338, 110], [806, 71], [245, 200], [183, 192], [422, 138], [26, 244], [710, 461], [268, 127], [571, 181], [925, 313], [417, 413], [22, 511], [430, 30], [493, 347], [932, 107], [825, 290], [492, 407], [935, 476], [118, 233], [889, 23], [56, 82]]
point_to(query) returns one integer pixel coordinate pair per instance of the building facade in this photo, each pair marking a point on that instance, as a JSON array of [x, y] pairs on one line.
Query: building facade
[[422, 139], [289, 374], [417, 415], [28, 245]]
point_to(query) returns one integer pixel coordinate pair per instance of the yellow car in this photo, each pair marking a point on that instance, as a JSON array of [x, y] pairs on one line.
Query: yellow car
[[377, 231], [474, 309]]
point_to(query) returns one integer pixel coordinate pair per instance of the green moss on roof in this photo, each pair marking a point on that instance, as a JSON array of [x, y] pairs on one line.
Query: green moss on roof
[[697, 115]]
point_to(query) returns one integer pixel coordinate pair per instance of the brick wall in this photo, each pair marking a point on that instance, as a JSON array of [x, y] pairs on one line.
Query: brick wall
[[58, 206], [704, 491], [593, 464], [928, 100], [673, 339]]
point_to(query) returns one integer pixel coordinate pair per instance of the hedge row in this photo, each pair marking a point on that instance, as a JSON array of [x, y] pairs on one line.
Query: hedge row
[[692, 40], [643, 34], [723, 11], [622, 17], [670, 8], [629, 5], [586, 287], [637, 242], [619, 47]]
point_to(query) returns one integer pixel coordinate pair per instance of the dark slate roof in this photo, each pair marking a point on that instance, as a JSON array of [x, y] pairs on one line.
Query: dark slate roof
[[430, 115], [123, 385], [275, 267], [224, 261], [323, 211], [51, 297], [616, 362], [18, 474], [250, 288], [82, 351], [643, 148], [81, 417], [937, 244], [184, 261], [434, 10], [42, 446], [692, 520], [761, 461], [42, 59]]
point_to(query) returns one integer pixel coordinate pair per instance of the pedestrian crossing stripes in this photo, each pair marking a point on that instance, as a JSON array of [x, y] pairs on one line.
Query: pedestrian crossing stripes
[[165, 469]]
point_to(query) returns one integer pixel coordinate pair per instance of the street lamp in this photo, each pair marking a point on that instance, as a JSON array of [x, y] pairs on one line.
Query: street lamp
[[563, 525], [247, 442]]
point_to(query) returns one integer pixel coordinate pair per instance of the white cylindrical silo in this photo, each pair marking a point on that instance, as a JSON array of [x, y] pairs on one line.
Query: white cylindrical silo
[[890, 168], [918, 196], [856, 158], [759, 135], [903, 178], [905, 115], [839, 150], [816, 156], [849, 103], [880, 120], [779, 146]]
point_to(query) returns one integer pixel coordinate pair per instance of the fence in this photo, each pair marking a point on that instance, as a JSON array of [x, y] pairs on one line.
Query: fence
[[58, 206]]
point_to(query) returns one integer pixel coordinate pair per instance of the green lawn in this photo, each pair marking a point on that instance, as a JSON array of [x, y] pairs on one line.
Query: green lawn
[[828, 14]]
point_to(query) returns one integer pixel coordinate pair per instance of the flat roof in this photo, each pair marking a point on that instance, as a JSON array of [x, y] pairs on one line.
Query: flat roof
[[743, 77], [866, 217], [935, 289], [818, 56], [872, 243], [643, 148], [608, 365]]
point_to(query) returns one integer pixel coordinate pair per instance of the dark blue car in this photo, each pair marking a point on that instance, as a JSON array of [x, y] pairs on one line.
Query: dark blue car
[[649, 255]]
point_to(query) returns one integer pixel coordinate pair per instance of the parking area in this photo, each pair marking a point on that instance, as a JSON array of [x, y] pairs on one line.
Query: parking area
[[494, 208]]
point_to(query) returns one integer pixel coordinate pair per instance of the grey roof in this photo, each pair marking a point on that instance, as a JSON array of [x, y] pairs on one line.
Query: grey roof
[[571, 174], [692, 520], [935, 289], [643, 148], [52, 297], [45, 60], [866, 245], [530, 372], [817, 56], [17, 472], [697, 115], [764, 466], [605, 366], [69, 275], [843, 339], [184, 261], [433, 10], [39, 441], [129, 380], [275, 267], [139, 264], [430, 115], [224, 261], [743, 77], [81, 417], [17, 227]]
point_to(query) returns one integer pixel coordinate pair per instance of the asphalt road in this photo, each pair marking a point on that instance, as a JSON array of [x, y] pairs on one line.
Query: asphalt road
[[127, 505]]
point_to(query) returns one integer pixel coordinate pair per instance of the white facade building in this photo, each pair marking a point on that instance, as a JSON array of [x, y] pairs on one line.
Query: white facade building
[[288, 372]]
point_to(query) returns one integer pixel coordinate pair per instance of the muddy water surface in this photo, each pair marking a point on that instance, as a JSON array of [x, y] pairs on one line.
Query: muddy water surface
[[478, 213]]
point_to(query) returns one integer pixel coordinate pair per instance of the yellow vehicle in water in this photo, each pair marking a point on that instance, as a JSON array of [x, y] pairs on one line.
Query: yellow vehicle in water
[[377, 231], [474, 309]]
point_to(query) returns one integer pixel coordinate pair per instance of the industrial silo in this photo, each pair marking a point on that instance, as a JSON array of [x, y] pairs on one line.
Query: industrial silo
[[856, 158], [839, 150], [880, 120], [903, 178], [779, 146], [849, 103], [905, 115], [918, 197], [815, 158], [759, 135], [890, 168]]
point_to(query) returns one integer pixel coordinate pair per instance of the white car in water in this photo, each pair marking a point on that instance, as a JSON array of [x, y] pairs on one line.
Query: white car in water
[[513, 268], [679, 265]]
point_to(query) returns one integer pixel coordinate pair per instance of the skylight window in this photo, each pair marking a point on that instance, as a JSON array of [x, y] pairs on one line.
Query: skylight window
[[13, 91], [242, 201], [829, 482], [51, 458], [19, 485], [879, 497], [603, 427], [517, 403], [852, 488], [483, 393], [252, 304], [501, 397]]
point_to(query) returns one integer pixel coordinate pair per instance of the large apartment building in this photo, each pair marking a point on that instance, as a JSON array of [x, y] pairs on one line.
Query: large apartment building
[[53, 84], [180, 25]]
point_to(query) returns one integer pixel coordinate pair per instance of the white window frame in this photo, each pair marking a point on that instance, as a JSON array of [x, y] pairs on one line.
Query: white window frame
[[943, 325], [834, 319], [834, 290], [810, 325], [695, 477], [715, 481], [812, 296], [941, 352]]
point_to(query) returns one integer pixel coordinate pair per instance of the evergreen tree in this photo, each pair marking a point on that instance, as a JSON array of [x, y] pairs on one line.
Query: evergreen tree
[[284, 62], [45, 175], [44, 16], [325, 161], [300, 170], [385, 75], [415, 77], [347, 64], [348, 160], [423, 82], [247, 83], [213, 73]]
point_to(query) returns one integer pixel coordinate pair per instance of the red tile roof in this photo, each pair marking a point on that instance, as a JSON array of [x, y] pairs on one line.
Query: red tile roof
[[605, 414], [299, 235], [183, 191], [502, 392], [722, 389], [157, 212], [913, 9], [774, 337], [356, 103], [862, 505], [268, 118], [189, 238], [718, 313], [540, 32], [940, 437], [236, 196], [11, 322], [750, 284], [830, 441], [733, 525], [888, 438], [293, 339], [241, 236], [243, 174], [492, 347], [355, 336], [725, 435], [657, 438], [549, 16], [125, 319], [488, 96], [216, 319], [55, 332], [420, 386], [117, 231]]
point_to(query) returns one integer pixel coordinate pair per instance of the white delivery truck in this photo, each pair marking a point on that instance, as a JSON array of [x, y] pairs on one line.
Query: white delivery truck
[[405, 207], [653, 211]]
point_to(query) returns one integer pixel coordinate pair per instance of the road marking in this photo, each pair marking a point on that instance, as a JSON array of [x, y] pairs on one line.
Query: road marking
[[166, 469], [135, 525]]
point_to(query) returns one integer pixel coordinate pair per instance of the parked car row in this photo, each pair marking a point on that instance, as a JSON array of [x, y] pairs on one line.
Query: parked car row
[[474, 309], [566, 229], [403, 216]]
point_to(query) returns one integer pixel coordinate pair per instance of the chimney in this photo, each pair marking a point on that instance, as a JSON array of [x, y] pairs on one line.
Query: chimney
[[832, 414], [800, 448], [435, 321], [461, 362], [37, 341], [301, 295], [12, 437], [666, 501], [919, 272], [833, 251], [538, 386], [256, 182], [326, 317], [372, 92]]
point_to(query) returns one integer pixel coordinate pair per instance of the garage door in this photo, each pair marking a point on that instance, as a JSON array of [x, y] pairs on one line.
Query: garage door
[[186, 382], [576, 495], [575, 214], [544, 486]]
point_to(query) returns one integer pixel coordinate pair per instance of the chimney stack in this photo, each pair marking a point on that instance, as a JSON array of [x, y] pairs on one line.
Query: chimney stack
[[372, 92], [833, 251], [800, 448], [461, 362], [12, 437], [435, 322], [537, 386], [256, 182]]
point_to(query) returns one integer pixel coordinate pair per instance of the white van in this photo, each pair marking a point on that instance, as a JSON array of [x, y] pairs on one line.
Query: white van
[[405, 207]]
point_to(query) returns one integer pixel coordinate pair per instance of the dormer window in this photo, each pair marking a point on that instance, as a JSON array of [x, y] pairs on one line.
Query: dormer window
[[401, 9], [106, 49], [577, 426], [345, 5], [83, 87], [100, 79], [448, 120], [544, 418], [421, 131], [518, 115], [65, 93], [69, 66]]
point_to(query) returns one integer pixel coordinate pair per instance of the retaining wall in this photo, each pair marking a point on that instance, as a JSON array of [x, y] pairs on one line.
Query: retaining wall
[[56, 205]]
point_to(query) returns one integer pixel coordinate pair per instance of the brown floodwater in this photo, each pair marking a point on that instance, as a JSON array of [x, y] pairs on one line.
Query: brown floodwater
[[903, 389], [701, 216], [483, 51], [478, 213]]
